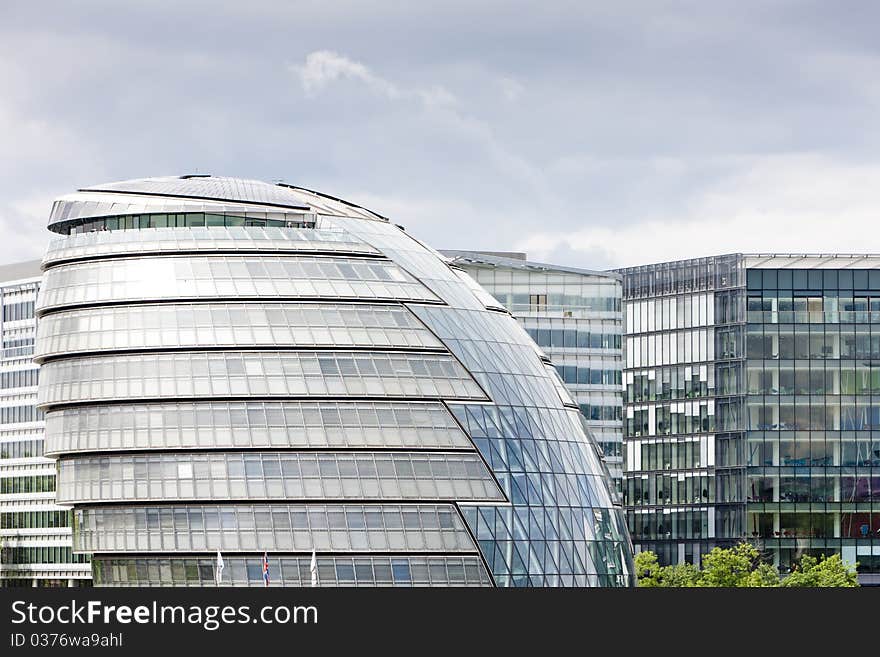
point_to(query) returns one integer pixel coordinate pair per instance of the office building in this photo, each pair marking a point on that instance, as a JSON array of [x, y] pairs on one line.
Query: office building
[[752, 398], [575, 317], [258, 368], [35, 535]]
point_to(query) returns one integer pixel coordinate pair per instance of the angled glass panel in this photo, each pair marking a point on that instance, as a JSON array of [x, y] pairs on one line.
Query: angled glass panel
[[276, 475], [255, 374], [96, 240], [229, 276], [253, 424], [273, 527], [294, 571], [163, 326], [562, 527]]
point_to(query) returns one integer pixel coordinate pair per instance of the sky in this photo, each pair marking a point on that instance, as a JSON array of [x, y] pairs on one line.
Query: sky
[[590, 134]]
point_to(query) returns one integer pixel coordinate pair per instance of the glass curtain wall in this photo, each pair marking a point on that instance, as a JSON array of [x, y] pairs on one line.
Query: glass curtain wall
[[813, 414], [575, 317], [683, 365]]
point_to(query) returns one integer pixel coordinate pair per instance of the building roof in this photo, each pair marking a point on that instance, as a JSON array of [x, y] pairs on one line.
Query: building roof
[[779, 261], [18, 271], [484, 258], [811, 260], [217, 194]]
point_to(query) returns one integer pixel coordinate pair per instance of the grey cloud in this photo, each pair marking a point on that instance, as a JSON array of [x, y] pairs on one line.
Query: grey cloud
[[483, 125]]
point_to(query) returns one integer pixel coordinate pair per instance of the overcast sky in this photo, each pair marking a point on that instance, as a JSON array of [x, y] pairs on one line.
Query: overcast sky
[[593, 134]]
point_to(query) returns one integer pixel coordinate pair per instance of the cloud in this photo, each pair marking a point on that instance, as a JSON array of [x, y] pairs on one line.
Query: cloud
[[793, 203], [594, 135], [325, 67], [446, 116]]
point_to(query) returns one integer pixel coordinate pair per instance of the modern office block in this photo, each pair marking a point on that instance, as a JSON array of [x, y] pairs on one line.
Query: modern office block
[[253, 368], [35, 535], [752, 406], [575, 317]]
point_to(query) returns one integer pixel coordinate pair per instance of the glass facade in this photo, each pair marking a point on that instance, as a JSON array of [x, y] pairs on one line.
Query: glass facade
[[200, 277], [35, 532], [787, 458], [683, 417], [336, 571], [297, 527], [575, 317], [255, 424], [238, 366]]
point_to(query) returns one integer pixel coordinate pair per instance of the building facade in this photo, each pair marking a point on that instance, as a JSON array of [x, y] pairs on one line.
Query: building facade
[[751, 405], [35, 534], [253, 368], [575, 317]]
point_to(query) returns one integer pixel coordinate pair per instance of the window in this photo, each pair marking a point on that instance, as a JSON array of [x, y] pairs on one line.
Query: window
[[537, 302]]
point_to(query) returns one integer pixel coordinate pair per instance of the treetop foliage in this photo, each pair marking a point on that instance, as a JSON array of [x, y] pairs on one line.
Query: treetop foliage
[[741, 566]]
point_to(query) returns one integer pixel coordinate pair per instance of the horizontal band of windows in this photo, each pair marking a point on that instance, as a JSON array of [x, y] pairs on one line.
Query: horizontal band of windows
[[822, 449], [578, 374], [686, 524], [226, 276], [214, 239], [181, 220], [27, 484], [665, 489], [274, 475], [831, 413], [92, 204], [21, 449], [611, 449], [256, 374], [293, 571], [17, 348], [670, 455], [20, 414], [253, 424], [681, 382], [41, 555], [599, 413], [830, 487], [34, 519], [799, 378], [176, 325], [273, 527], [813, 319], [18, 310], [19, 378], [833, 527], [573, 338], [559, 302]]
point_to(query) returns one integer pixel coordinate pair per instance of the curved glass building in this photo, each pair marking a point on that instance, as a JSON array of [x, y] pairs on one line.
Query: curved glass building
[[260, 369]]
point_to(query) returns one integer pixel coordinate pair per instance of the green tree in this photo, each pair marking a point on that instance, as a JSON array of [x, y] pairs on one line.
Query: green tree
[[742, 566], [763, 575], [822, 572], [647, 569], [730, 567], [681, 575], [649, 573]]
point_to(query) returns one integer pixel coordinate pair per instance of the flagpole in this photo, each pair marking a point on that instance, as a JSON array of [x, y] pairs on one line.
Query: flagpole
[[218, 568]]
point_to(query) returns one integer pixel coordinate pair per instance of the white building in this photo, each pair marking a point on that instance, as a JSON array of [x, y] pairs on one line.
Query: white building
[[34, 531]]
